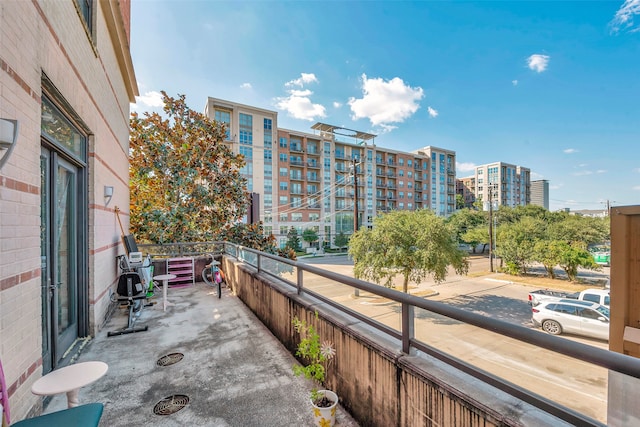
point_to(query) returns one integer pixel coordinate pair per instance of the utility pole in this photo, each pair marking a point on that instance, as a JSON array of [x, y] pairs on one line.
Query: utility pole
[[356, 291], [355, 195], [491, 227]]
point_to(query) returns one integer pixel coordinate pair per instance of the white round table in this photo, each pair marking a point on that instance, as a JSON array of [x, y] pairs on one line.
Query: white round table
[[165, 284], [69, 380]]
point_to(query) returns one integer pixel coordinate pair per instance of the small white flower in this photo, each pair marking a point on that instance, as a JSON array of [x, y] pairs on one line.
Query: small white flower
[[327, 350]]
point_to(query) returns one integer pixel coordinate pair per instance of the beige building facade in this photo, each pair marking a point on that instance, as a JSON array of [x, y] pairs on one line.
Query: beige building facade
[[306, 180], [67, 81]]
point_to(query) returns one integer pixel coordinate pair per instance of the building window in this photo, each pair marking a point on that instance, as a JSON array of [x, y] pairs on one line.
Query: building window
[[246, 126], [283, 157], [268, 170], [296, 217], [283, 142], [247, 152], [284, 200], [284, 217], [222, 116], [267, 124], [284, 186], [284, 172], [268, 155], [86, 11], [268, 140]]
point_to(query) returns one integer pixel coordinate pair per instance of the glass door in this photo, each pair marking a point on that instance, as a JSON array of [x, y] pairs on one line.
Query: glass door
[[59, 257]]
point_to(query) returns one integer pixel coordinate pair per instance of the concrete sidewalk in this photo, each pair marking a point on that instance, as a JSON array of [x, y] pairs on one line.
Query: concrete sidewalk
[[234, 371]]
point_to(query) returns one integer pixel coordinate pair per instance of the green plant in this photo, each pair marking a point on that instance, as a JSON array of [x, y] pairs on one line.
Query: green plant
[[317, 355]]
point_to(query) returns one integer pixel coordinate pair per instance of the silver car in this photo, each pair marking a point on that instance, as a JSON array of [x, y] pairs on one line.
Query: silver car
[[573, 317]]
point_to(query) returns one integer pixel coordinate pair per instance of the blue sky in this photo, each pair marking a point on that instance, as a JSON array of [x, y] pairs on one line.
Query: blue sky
[[550, 85]]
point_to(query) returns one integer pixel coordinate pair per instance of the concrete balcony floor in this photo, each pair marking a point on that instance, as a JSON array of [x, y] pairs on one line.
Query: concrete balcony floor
[[234, 371]]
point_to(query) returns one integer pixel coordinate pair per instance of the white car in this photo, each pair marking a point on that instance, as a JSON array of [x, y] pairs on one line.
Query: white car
[[573, 317]]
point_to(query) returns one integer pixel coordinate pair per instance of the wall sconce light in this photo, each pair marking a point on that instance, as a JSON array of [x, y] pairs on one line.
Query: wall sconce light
[[108, 194], [8, 138]]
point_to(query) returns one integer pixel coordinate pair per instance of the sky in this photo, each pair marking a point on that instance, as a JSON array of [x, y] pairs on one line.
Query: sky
[[553, 86]]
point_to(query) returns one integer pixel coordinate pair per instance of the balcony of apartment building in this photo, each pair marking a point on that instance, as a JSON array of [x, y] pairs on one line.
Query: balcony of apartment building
[[391, 186], [391, 163], [380, 172], [313, 163], [401, 359], [296, 161], [296, 147], [312, 177], [296, 175], [339, 154], [379, 161], [312, 150], [391, 174]]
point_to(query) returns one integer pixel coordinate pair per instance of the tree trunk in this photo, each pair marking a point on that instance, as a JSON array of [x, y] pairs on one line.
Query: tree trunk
[[405, 284]]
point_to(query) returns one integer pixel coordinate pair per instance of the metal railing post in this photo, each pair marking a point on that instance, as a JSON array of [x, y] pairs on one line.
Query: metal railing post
[[299, 271], [408, 327]]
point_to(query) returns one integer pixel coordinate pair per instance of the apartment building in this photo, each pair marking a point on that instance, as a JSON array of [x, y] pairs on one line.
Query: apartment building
[[503, 183], [319, 179], [466, 187], [540, 193], [67, 82]]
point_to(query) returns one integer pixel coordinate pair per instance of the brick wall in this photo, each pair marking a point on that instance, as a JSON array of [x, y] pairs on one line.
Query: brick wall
[[49, 38]]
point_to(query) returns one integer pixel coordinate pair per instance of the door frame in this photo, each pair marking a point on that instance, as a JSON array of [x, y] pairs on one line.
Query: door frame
[[55, 155]]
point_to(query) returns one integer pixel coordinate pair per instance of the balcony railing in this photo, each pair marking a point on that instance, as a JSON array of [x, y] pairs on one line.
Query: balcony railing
[[411, 308]]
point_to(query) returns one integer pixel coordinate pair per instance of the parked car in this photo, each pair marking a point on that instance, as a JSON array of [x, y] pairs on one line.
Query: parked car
[[601, 296], [573, 317]]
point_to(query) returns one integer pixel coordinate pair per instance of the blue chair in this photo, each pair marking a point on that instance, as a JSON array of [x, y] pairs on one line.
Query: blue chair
[[81, 416]]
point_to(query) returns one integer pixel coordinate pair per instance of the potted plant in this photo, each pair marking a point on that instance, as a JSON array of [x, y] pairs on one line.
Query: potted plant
[[317, 357]]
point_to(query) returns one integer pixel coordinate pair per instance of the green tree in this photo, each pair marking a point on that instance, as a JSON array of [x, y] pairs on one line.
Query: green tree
[[459, 201], [341, 240], [310, 235], [293, 240], [475, 236], [517, 242], [466, 223], [573, 257], [412, 244], [549, 254], [185, 183]]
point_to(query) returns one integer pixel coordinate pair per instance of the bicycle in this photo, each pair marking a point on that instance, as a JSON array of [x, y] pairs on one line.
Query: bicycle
[[213, 276]]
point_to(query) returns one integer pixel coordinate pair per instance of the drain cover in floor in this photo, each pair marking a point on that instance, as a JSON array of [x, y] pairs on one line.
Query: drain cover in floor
[[171, 405], [170, 359]]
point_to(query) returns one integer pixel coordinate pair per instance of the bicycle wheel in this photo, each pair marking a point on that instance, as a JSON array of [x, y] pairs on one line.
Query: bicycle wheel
[[207, 275]]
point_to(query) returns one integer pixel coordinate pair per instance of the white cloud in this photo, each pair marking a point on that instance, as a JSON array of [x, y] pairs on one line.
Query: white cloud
[[149, 100], [601, 171], [535, 175], [636, 188], [305, 78], [245, 86], [637, 170], [298, 104], [582, 173], [538, 62], [555, 187], [337, 104], [432, 112], [514, 82], [623, 20], [385, 101], [570, 151], [465, 167]]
